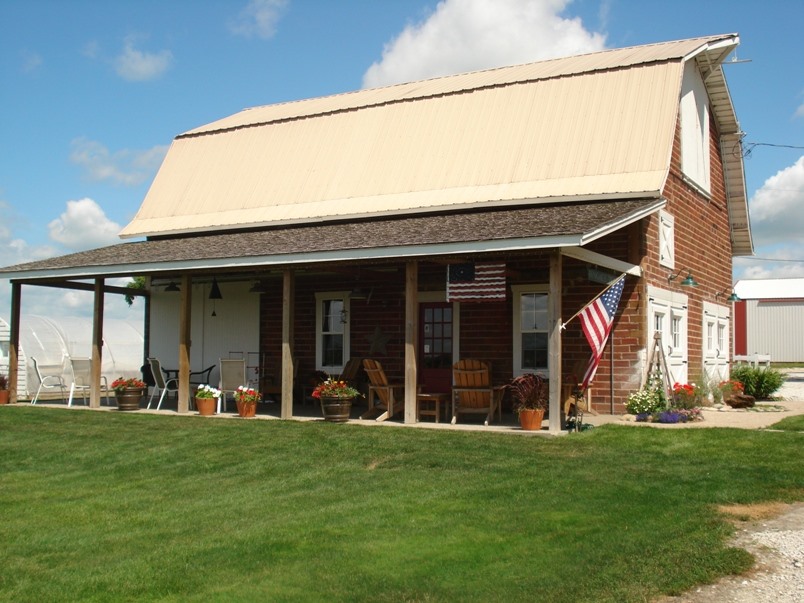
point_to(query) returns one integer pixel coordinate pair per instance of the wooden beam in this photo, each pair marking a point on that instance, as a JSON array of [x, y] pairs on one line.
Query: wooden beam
[[78, 286], [411, 338], [554, 342], [97, 346], [185, 312], [592, 257], [14, 342], [288, 302]]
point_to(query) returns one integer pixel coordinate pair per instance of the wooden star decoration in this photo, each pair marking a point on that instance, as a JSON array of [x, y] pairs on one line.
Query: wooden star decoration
[[378, 341]]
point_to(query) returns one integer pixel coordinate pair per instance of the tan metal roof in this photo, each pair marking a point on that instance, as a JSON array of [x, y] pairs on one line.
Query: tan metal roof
[[596, 126]]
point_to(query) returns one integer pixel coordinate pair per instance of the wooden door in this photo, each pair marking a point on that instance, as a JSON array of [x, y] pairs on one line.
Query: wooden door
[[435, 347]]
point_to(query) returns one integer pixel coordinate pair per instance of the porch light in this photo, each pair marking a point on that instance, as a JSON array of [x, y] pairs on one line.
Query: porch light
[[687, 282], [215, 292], [731, 298], [172, 287]]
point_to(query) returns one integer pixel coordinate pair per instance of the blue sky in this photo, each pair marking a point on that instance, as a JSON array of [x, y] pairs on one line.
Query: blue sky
[[92, 93]]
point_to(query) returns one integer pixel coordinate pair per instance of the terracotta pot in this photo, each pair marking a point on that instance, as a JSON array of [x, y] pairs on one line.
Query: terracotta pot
[[336, 410], [206, 406], [129, 398], [246, 409], [531, 419], [4, 396]]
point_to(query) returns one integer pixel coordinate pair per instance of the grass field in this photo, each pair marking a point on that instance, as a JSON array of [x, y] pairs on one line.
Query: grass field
[[123, 507]]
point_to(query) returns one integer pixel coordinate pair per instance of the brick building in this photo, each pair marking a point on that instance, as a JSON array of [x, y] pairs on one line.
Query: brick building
[[330, 225]]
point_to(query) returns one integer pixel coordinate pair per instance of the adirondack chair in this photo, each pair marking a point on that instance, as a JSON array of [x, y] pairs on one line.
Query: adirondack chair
[[472, 391], [382, 396]]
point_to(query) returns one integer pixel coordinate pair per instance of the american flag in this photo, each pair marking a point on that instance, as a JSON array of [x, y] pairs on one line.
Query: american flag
[[476, 282], [596, 321]]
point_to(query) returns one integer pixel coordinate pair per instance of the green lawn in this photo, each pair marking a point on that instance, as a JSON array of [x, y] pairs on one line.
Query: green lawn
[[122, 507], [795, 423]]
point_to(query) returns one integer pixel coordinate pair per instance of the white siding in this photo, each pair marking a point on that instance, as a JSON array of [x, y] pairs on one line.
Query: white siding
[[776, 327]]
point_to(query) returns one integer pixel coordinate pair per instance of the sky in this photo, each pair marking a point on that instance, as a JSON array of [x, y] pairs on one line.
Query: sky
[[92, 93]]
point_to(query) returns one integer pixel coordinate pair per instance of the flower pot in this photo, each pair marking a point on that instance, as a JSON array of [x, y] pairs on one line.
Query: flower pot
[[206, 406], [336, 410], [3, 396], [246, 409], [531, 419], [129, 398]]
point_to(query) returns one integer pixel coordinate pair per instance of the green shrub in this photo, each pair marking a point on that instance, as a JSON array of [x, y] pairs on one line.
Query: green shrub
[[645, 401], [761, 383]]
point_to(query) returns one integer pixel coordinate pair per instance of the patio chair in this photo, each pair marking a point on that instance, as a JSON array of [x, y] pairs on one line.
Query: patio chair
[[160, 383], [382, 395], [472, 391], [48, 382], [233, 375], [81, 369]]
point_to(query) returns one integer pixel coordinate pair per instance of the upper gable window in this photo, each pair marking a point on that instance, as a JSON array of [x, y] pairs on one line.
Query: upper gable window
[[695, 127]]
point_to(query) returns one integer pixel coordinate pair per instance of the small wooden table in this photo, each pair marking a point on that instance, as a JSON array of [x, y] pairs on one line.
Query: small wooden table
[[430, 405]]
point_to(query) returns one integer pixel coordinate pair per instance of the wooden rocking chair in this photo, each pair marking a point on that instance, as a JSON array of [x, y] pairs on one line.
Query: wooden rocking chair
[[389, 397], [472, 391]]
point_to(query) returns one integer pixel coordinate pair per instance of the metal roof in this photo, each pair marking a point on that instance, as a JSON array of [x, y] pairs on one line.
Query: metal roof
[[498, 230], [597, 126], [770, 288]]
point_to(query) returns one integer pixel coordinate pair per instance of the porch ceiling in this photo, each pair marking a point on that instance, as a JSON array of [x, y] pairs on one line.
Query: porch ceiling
[[559, 225]]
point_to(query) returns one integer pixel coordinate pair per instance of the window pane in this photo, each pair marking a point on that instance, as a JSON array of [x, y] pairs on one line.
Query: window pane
[[534, 351], [332, 314], [332, 352]]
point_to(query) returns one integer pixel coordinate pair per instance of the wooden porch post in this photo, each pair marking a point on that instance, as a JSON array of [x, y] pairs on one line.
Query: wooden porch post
[[184, 343], [554, 341], [411, 337], [288, 300], [97, 345], [14, 342]]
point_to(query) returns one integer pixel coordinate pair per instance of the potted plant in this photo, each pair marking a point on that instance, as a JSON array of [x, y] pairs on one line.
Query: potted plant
[[246, 399], [128, 393], [529, 393], [336, 399], [206, 399], [3, 389]]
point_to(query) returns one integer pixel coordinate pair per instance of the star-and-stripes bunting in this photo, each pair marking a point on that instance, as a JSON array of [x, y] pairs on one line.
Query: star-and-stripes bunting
[[476, 282]]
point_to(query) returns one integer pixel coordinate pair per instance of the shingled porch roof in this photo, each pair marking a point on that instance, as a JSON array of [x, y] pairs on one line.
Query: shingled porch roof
[[546, 226]]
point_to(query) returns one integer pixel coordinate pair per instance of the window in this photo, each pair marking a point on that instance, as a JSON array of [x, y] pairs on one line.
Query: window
[[675, 331], [332, 331], [530, 329], [710, 337], [695, 127], [721, 338]]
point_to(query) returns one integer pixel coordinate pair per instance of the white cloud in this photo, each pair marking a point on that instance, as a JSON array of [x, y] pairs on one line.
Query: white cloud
[[800, 110], [83, 225], [259, 18], [468, 35], [777, 209], [126, 167], [137, 66]]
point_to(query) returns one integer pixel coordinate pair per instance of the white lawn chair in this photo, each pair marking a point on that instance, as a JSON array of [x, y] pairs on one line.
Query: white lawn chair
[[160, 383], [233, 375], [81, 369], [48, 382]]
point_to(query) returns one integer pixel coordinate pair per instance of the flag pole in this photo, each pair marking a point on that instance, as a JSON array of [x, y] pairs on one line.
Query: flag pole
[[609, 286]]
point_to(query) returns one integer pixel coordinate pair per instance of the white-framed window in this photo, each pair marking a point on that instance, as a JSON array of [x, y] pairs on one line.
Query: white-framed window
[[332, 331], [695, 127], [676, 329], [710, 337], [530, 334], [667, 245]]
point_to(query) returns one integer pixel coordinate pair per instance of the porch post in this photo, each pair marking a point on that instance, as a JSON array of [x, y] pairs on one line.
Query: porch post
[[554, 341], [184, 343], [288, 295], [411, 336], [97, 345], [14, 342]]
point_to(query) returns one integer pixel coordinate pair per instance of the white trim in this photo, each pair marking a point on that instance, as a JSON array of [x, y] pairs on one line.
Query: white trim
[[320, 297], [605, 261], [516, 337]]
